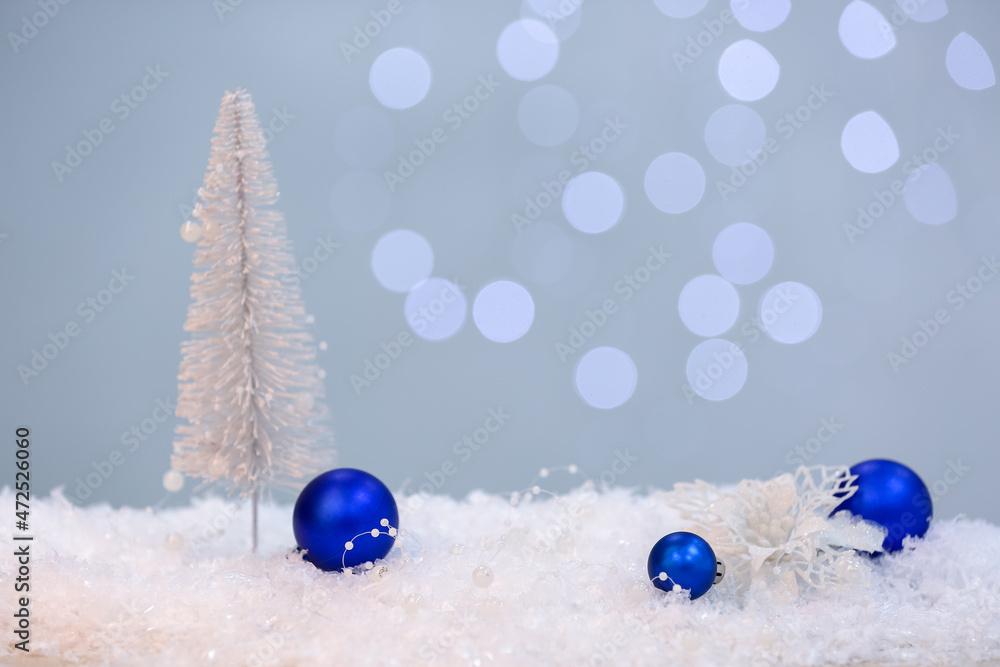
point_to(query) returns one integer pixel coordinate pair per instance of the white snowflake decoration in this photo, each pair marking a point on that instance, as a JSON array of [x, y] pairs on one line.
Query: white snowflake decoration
[[777, 533]]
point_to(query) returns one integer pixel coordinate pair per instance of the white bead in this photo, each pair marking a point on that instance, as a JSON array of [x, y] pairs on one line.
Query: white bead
[[210, 231], [173, 481], [383, 522], [544, 472], [348, 545], [482, 576], [392, 532], [191, 231], [174, 542], [412, 603], [374, 532], [573, 469], [662, 576]]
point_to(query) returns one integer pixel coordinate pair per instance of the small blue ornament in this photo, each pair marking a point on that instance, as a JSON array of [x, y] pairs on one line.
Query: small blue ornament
[[893, 496], [686, 560], [344, 518]]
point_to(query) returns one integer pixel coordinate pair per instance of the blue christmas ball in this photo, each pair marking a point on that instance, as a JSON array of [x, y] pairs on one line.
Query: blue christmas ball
[[344, 518], [687, 561], [892, 495]]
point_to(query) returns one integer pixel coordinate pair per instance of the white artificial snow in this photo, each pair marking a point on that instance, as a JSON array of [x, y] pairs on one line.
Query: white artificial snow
[[179, 587]]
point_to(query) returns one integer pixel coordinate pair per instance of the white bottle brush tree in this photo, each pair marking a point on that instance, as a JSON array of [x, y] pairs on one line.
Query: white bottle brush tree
[[250, 388]]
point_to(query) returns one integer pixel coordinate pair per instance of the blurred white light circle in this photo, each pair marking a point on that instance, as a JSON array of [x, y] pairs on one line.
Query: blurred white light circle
[[527, 49], [969, 64], [708, 305], [760, 15], [716, 369], [680, 9], [790, 312], [401, 259], [674, 182], [360, 201], [400, 78], [548, 115], [363, 137], [542, 253], [435, 309], [865, 32], [593, 202], [605, 377], [748, 71], [735, 134], [930, 196], [743, 253], [868, 143], [503, 311]]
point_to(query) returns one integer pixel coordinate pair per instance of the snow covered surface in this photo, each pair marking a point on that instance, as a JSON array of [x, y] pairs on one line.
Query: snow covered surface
[[126, 586]]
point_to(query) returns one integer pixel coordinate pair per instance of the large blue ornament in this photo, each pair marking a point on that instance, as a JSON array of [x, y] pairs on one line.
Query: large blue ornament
[[892, 495], [687, 560], [344, 518]]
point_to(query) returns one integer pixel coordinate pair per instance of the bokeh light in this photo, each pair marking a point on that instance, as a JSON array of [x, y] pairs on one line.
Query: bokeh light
[[527, 50], [748, 71], [605, 377], [435, 309], [593, 202], [790, 312], [674, 182], [868, 143], [743, 253], [708, 305], [716, 369], [503, 311], [401, 259], [400, 78]]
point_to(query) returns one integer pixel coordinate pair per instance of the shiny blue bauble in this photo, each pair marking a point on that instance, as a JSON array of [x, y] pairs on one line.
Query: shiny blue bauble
[[892, 495], [688, 560], [344, 506]]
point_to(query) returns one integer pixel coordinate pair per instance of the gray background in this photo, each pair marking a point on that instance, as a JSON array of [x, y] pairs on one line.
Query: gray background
[[122, 208]]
